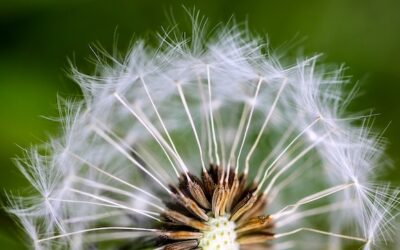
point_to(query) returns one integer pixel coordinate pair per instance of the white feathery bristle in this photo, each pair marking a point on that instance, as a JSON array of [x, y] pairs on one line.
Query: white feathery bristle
[[220, 98]]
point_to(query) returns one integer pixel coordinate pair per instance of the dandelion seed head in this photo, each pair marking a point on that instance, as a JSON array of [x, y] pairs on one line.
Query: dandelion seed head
[[204, 142]]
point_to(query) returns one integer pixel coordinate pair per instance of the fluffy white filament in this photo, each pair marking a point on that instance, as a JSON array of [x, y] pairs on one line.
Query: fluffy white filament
[[160, 112]]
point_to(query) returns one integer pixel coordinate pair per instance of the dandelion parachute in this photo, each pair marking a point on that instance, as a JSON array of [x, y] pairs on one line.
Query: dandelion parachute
[[170, 143]]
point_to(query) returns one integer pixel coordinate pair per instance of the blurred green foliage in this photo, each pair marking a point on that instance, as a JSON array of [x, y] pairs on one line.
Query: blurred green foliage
[[38, 36]]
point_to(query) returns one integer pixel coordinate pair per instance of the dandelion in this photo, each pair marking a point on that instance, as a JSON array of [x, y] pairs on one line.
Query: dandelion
[[208, 142]]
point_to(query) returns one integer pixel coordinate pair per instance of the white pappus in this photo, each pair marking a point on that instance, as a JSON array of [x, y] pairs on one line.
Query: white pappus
[[208, 142]]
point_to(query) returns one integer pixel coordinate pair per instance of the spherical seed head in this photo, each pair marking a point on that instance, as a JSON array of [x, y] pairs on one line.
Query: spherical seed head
[[221, 235], [287, 162]]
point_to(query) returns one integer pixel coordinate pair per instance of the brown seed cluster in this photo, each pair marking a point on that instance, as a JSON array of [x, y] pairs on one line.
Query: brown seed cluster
[[216, 194]]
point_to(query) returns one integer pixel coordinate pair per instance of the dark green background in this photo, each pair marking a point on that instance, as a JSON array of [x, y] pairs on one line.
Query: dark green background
[[37, 36]]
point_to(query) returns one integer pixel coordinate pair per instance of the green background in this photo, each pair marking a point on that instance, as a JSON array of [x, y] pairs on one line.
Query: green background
[[37, 37]]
